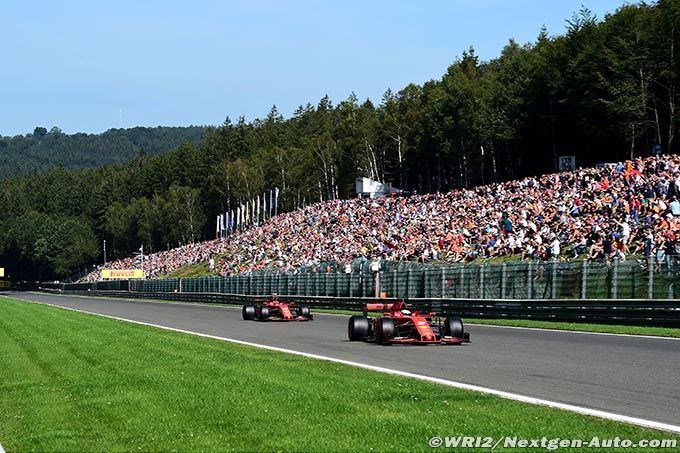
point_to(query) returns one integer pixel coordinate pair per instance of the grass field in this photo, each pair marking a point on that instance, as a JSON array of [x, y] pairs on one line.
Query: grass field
[[582, 327], [76, 382]]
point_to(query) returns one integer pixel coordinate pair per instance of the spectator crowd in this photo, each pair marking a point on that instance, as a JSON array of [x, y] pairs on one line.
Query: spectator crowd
[[600, 214]]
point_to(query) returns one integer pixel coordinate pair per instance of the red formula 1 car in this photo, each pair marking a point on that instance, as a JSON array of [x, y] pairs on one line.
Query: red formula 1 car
[[272, 309], [401, 325]]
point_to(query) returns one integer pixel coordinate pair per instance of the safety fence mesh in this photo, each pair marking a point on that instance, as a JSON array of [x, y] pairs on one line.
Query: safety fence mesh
[[632, 279]]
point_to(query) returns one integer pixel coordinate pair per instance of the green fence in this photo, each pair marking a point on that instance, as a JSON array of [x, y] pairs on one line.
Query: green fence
[[519, 280]]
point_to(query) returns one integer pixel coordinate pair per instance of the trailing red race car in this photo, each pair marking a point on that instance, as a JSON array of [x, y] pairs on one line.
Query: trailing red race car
[[401, 325], [272, 309]]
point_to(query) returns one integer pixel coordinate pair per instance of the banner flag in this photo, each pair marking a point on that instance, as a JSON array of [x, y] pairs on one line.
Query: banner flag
[[116, 274]]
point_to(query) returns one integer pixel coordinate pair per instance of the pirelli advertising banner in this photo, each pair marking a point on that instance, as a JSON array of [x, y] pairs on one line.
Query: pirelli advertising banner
[[2, 271], [110, 274]]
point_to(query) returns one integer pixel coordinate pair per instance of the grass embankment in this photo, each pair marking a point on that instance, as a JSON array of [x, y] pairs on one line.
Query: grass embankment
[[581, 327], [72, 381], [201, 269]]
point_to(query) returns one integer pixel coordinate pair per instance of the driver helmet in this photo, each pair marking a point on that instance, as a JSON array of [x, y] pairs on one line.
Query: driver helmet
[[406, 312]]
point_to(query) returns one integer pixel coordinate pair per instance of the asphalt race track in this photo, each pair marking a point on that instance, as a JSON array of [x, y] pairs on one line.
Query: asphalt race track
[[637, 377]]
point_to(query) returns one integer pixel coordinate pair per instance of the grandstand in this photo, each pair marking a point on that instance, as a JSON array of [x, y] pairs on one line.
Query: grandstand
[[601, 214]]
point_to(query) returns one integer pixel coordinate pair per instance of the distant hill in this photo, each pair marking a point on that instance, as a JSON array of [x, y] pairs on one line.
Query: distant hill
[[45, 149]]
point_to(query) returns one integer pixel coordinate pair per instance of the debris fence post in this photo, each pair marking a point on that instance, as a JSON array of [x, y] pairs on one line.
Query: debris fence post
[[584, 279], [650, 280]]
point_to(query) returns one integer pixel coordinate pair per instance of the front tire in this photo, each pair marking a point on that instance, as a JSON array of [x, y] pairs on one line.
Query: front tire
[[358, 328], [264, 313], [384, 330], [453, 327]]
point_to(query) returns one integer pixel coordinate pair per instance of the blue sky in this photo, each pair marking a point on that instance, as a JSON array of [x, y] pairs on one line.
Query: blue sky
[[78, 64]]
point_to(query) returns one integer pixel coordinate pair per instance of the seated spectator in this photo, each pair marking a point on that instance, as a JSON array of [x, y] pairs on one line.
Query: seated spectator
[[602, 212]]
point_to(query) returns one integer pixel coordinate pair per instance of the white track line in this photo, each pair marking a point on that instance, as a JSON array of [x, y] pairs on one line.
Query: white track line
[[2, 450], [460, 385]]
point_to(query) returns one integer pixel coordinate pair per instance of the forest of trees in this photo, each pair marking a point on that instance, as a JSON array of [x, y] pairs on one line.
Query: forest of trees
[[43, 150], [603, 91]]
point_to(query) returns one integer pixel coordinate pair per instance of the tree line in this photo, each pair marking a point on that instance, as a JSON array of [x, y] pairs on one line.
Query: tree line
[[45, 149], [604, 91]]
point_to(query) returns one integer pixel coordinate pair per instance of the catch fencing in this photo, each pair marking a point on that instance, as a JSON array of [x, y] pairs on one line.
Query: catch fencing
[[518, 280], [629, 292]]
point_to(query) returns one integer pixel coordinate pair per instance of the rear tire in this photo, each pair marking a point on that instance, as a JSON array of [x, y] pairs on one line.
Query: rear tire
[[453, 327], [384, 331], [264, 313], [248, 312], [304, 311], [358, 328]]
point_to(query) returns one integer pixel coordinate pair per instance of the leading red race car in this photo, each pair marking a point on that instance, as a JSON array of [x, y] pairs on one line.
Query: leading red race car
[[401, 325], [272, 309]]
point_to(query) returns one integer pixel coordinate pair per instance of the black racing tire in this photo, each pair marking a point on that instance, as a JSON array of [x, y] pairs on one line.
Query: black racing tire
[[358, 328], [304, 311], [453, 327], [384, 331], [248, 312], [264, 313]]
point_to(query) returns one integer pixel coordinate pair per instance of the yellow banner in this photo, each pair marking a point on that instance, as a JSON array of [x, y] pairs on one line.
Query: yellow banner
[[2, 271], [110, 274], [5, 284]]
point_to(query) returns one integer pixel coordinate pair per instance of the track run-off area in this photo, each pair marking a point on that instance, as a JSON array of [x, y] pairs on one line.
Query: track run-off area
[[625, 375]]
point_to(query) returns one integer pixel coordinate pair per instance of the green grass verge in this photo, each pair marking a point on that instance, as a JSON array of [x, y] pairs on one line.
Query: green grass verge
[[76, 382], [201, 269], [582, 327]]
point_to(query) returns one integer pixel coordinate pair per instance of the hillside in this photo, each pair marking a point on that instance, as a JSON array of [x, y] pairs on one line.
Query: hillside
[[43, 149]]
